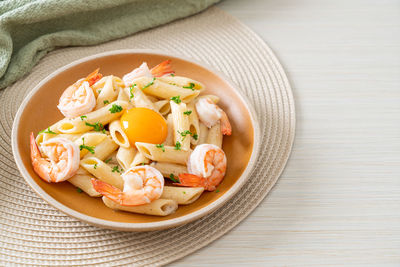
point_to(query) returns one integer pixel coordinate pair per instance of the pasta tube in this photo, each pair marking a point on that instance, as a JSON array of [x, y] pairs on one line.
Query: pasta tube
[[194, 125], [182, 195], [163, 107], [181, 124], [167, 169], [82, 180], [125, 156], [165, 154], [88, 141], [102, 171], [104, 149], [159, 207], [108, 93], [118, 135], [183, 82], [215, 135]]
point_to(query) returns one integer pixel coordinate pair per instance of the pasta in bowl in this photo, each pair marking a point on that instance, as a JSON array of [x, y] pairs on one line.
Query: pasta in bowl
[[134, 147]]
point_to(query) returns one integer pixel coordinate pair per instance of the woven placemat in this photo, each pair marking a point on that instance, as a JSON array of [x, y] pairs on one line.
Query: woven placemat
[[34, 233]]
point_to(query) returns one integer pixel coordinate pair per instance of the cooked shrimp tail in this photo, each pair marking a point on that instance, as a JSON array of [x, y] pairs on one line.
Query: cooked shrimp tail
[[162, 69], [191, 180], [108, 190], [35, 152], [93, 77], [226, 127]]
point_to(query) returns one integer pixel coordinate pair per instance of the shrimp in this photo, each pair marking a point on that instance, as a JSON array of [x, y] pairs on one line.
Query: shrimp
[[209, 114], [79, 99], [161, 69], [62, 162], [142, 185], [206, 166]]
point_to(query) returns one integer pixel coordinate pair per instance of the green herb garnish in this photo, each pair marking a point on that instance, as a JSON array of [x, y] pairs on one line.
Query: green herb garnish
[[183, 134], [173, 75], [115, 108], [191, 86], [130, 91], [177, 145], [216, 191], [83, 117], [97, 126], [184, 192], [142, 163], [172, 177], [88, 148], [48, 131], [149, 84], [105, 102], [195, 136], [95, 166], [176, 99], [108, 160], [79, 190], [116, 169], [161, 146], [188, 112]]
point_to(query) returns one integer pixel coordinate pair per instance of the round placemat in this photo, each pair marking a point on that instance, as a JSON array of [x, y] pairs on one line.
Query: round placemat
[[34, 233]]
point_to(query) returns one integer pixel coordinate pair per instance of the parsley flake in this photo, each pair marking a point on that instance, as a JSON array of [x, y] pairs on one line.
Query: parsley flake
[[88, 148], [79, 190], [191, 86], [188, 112], [130, 91], [172, 177], [161, 146], [95, 166], [176, 99], [98, 127], [173, 75], [195, 136], [115, 108], [116, 169], [216, 191], [105, 102], [142, 163], [184, 192], [177, 145], [149, 84], [83, 117], [48, 131], [108, 160]]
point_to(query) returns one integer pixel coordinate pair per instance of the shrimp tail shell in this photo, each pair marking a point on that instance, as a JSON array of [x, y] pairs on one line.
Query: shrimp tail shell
[[162, 69], [191, 180], [107, 190]]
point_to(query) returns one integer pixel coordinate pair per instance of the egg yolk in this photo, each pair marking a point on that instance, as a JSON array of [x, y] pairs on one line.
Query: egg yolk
[[144, 125]]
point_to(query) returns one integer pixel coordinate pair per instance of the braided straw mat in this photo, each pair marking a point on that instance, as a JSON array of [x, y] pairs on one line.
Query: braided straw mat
[[34, 233]]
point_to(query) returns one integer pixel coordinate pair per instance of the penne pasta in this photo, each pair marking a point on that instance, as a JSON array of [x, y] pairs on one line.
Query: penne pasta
[[183, 82], [194, 124], [102, 171], [82, 180], [108, 93], [164, 90], [43, 136], [88, 141], [181, 125], [167, 169], [203, 134], [163, 107], [139, 99], [169, 140], [104, 149], [125, 156], [95, 119], [170, 154], [159, 207], [182, 195], [118, 135], [214, 135], [139, 159]]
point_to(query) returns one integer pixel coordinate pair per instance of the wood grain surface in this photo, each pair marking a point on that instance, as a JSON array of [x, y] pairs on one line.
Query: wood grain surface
[[338, 200]]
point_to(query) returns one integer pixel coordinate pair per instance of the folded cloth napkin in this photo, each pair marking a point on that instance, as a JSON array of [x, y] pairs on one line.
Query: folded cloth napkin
[[31, 28]]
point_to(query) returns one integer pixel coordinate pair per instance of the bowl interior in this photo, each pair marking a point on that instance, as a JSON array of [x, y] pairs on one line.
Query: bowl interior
[[41, 111]]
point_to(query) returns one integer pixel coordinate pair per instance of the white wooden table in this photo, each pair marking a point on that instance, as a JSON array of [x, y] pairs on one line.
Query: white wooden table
[[338, 200]]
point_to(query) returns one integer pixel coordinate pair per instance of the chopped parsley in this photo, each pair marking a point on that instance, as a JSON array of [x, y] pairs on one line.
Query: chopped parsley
[[161, 146], [216, 191], [176, 99], [79, 190], [183, 134], [48, 131], [99, 91], [130, 91], [191, 86], [105, 102], [83, 117], [172, 177], [177, 145], [108, 160], [115, 108], [195, 136], [116, 169], [88, 148], [184, 192], [95, 166], [98, 127], [173, 75], [188, 112], [142, 163], [149, 84]]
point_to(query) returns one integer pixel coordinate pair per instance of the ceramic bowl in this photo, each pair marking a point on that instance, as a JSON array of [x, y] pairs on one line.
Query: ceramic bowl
[[39, 110]]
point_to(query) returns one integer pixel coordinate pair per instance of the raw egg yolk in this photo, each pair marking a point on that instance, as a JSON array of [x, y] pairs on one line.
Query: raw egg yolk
[[144, 125]]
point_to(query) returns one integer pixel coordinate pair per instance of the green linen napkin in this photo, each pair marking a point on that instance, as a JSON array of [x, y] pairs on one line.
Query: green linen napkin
[[31, 28]]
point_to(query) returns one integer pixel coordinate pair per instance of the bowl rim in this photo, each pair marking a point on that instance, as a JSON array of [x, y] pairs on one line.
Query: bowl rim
[[123, 226]]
